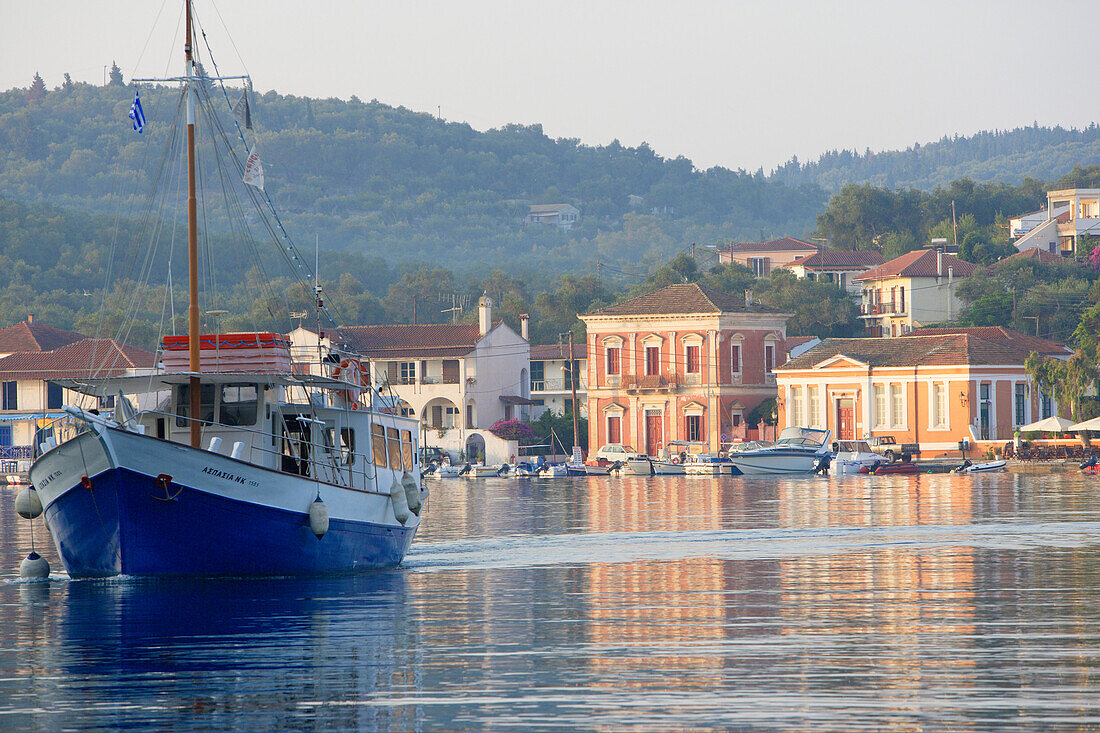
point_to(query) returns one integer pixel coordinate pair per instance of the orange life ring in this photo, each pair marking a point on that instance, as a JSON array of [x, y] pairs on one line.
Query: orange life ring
[[676, 459], [344, 364]]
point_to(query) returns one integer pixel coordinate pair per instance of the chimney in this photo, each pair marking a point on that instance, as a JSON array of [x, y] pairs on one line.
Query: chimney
[[524, 331], [939, 262], [30, 318], [484, 314], [748, 298]]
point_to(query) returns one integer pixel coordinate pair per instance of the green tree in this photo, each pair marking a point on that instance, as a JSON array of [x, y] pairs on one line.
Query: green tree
[[114, 76], [37, 90]]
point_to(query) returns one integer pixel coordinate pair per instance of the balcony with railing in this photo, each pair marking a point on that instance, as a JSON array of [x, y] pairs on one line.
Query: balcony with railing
[[889, 308], [651, 383], [556, 385]]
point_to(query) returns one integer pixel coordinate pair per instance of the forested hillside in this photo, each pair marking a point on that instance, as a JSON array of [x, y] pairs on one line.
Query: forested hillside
[[1007, 156], [370, 178]]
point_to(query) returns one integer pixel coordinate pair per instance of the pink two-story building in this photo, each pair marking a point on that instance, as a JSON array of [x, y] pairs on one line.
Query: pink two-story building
[[680, 363]]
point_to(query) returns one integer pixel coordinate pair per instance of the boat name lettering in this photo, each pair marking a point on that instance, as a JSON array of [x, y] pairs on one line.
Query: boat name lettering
[[48, 479], [229, 476]]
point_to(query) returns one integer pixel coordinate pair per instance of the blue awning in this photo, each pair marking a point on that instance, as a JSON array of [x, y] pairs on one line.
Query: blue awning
[[17, 417]]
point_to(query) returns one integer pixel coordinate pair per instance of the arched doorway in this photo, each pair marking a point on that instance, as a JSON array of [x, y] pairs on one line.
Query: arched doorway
[[475, 448]]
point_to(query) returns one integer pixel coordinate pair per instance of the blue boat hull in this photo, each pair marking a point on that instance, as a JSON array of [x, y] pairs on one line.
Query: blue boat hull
[[125, 525]]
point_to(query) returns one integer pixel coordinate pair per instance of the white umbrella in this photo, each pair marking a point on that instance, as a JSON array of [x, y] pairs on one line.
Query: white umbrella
[[1048, 425], [1093, 424]]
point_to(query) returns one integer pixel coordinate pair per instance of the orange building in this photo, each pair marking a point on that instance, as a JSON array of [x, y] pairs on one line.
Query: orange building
[[681, 363], [934, 387]]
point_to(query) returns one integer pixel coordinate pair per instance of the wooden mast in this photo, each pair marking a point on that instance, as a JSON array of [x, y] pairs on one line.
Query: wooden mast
[[192, 248]]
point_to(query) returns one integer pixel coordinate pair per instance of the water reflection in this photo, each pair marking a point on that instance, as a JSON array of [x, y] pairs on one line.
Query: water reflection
[[915, 602]]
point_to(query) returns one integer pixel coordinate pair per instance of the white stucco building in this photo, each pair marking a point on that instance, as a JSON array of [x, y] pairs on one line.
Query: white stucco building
[[458, 379], [551, 378]]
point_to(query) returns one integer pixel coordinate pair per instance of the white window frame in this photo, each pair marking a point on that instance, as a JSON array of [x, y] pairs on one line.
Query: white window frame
[[898, 406], [813, 407], [880, 407]]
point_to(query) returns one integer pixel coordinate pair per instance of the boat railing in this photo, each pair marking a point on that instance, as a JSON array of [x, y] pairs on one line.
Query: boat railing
[[350, 469], [336, 467]]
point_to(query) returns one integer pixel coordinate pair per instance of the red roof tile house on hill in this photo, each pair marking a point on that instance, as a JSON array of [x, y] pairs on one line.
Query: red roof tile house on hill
[[837, 266], [458, 379], [910, 291], [680, 363], [763, 257], [35, 353]]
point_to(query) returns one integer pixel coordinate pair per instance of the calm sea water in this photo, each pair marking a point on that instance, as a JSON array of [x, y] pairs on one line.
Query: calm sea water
[[933, 602]]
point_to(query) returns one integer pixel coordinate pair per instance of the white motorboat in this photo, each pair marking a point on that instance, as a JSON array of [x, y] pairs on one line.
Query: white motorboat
[[852, 455], [798, 450], [482, 471], [443, 470], [667, 468]]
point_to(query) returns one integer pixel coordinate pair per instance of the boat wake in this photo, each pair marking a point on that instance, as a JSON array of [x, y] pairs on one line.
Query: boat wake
[[522, 551]]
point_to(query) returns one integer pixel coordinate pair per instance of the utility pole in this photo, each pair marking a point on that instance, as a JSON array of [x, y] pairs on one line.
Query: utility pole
[[573, 384], [954, 225], [597, 272]]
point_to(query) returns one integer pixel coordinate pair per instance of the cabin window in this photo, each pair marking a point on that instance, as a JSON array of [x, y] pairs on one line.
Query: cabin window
[[693, 359], [295, 446], [393, 446], [11, 391], [183, 404], [240, 404], [694, 427], [54, 396], [407, 450], [378, 444], [107, 402], [345, 450]]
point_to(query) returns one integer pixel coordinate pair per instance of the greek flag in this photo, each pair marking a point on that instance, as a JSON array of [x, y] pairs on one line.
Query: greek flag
[[137, 114]]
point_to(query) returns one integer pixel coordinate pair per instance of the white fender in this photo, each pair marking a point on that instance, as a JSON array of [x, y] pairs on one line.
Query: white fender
[[412, 493], [400, 502], [318, 518], [27, 503]]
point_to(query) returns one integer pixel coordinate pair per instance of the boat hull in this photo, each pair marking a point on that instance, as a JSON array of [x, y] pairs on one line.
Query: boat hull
[[217, 516], [775, 462]]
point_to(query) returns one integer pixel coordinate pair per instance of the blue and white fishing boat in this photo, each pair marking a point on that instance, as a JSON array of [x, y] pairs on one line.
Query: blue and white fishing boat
[[240, 465], [798, 450]]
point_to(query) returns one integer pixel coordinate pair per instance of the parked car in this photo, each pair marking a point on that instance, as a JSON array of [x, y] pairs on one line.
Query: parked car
[[891, 450], [433, 455], [885, 446], [614, 452]]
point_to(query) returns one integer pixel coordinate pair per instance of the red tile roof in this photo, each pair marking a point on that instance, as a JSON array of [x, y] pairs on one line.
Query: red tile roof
[[1001, 335], [941, 350], [835, 259], [35, 336], [681, 298], [420, 341], [1034, 253], [550, 352], [786, 244], [100, 357], [918, 263]]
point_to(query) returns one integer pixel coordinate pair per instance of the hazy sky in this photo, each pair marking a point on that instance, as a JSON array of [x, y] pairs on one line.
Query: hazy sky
[[739, 84]]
